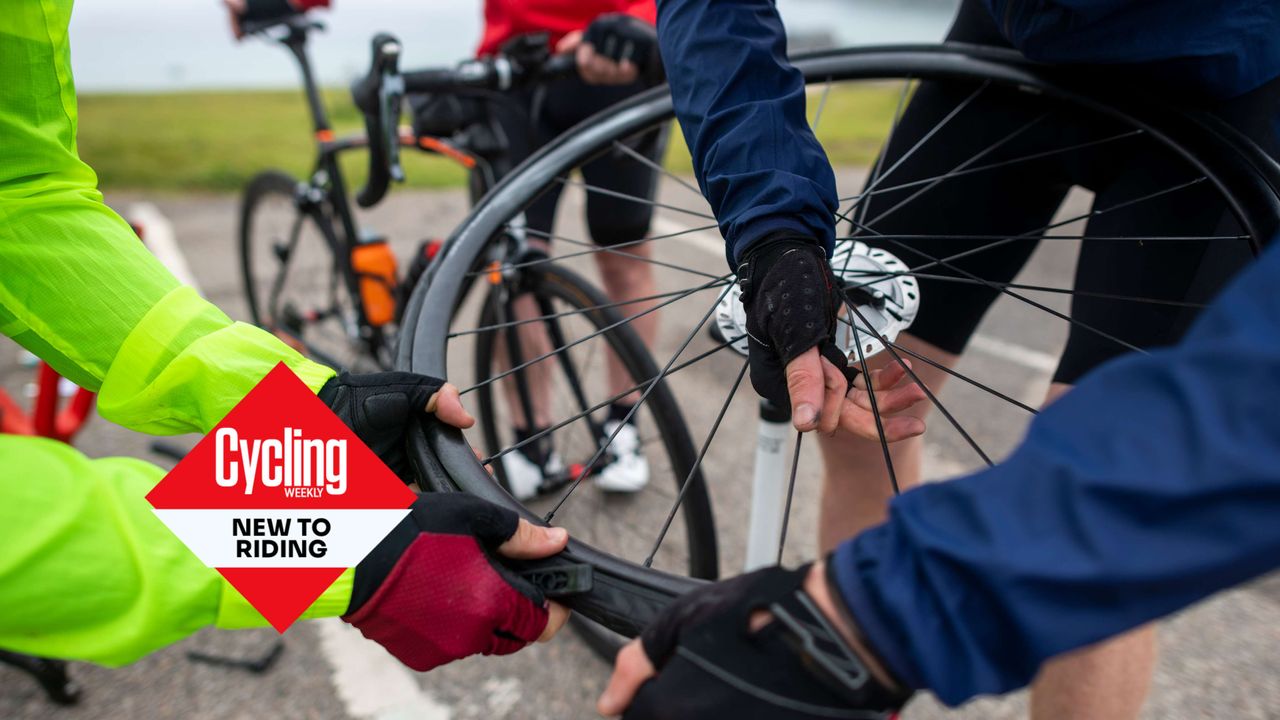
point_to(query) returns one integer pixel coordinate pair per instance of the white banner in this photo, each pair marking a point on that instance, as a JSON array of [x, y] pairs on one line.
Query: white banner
[[281, 538]]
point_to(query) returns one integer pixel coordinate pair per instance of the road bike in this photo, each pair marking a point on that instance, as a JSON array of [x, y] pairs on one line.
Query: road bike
[[307, 279], [1201, 160]]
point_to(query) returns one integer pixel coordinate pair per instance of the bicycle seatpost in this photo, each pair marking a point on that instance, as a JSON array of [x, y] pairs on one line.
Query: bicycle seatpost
[[768, 486]]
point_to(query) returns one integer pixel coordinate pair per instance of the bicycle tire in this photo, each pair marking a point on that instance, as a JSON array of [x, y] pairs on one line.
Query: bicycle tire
[[563, 284], [276, 184], [626, 596]]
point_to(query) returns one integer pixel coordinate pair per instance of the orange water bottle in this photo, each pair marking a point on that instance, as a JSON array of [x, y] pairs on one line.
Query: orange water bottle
[[375, 265]]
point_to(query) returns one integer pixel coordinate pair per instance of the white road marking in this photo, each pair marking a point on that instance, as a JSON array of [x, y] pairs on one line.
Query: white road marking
[[709, 241], [158, 236], [370, 682], [1029, 358]]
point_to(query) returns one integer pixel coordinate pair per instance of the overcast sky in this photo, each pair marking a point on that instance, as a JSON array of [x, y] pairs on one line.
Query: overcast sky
[[173, 44]]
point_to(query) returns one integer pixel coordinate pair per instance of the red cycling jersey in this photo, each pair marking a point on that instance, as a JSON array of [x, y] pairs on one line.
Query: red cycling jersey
[[505, 19]]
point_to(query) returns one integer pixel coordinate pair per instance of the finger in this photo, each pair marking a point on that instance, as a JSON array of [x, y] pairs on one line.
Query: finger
[[446, 404], [630, 670], [892, 375], [628, 72], [890, 401], [862, 423], [557, 616], [585, 57], [531, 542], [835, 385], [570, 42], [806, 386]]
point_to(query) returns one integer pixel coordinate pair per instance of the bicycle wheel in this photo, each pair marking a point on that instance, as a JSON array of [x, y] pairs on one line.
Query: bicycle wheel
[[567, 307], [883, 273], [293, 283]]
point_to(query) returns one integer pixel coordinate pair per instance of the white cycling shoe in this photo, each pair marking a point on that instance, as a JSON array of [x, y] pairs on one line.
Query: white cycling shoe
[[629, 471], [525, 477]]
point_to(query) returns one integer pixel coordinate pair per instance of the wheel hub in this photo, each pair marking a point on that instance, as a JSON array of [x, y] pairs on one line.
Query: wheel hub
[[875, 283]]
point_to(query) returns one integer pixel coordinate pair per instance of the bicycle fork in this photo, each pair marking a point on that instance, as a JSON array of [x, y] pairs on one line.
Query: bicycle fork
[[768, 486]]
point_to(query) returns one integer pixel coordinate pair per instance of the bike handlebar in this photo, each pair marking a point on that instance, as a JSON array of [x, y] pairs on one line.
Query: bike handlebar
[[379, 95]]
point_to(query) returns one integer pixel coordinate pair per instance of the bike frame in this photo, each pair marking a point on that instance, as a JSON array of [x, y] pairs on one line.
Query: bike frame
[[323, 196]]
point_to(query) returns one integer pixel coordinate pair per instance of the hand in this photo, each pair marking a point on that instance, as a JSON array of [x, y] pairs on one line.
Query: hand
[[822, 399], [616, 49], [792, 301], [432, 592], [378, 407], [262, 10], [235, 9], [680, 665]]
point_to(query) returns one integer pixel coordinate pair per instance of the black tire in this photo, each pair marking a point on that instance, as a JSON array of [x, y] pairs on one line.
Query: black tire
[[558, 284], [333, 347], [263, 185], [627, 596]]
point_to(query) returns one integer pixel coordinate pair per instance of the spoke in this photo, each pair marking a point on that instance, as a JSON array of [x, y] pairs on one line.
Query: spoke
[[612, 251], [888, 143], [791, 491], [568, 313], [623, 196], [928, 136], [597, 333], [586, 470], [543, 433], [916, 378], [822, 105], [594, 248], [655, 166], [981, 154], [688, 480], [1100, 238], [875, 412], [1038, 288], [954, 374], [992, 166], [1085, 326], [1032, 234]]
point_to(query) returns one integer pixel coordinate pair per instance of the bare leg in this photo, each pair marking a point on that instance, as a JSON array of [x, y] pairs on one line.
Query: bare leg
[[1109, 680], [855, 487], [537, 377], [626, 278]]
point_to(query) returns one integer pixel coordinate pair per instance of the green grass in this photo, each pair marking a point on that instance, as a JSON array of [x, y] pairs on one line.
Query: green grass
[[216, 141]]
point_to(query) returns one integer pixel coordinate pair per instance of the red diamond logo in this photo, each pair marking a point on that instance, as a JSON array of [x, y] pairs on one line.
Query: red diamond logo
[[281, 497]]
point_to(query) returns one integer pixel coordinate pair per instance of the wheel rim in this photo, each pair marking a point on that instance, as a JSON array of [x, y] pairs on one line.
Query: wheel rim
[[1251, 201]]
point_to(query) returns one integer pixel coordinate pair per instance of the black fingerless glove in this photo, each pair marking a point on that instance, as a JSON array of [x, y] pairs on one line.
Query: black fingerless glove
[[266, 10], [792, 300], [378, 408], [711, 664], [620, 37]]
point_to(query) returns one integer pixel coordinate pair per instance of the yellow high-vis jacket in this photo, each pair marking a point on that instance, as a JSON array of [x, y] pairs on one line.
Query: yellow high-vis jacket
[[87, 571]]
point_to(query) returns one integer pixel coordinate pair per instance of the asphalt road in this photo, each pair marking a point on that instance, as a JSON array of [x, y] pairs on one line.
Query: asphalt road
[[1218, 659]]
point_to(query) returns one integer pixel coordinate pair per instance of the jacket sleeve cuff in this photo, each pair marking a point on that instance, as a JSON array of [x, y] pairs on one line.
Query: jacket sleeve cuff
[[736, 246], [186, 364], [854, 567]]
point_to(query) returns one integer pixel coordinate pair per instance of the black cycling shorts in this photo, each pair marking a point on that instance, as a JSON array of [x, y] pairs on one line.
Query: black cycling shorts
[[538, 115], [1003, 124]]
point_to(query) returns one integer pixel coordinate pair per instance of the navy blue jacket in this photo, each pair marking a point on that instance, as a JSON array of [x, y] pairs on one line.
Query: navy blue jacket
[[1152, 484], [741, 104]]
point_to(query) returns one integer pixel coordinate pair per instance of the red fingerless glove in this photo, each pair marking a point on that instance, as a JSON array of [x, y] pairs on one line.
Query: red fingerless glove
[[432, 592]]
